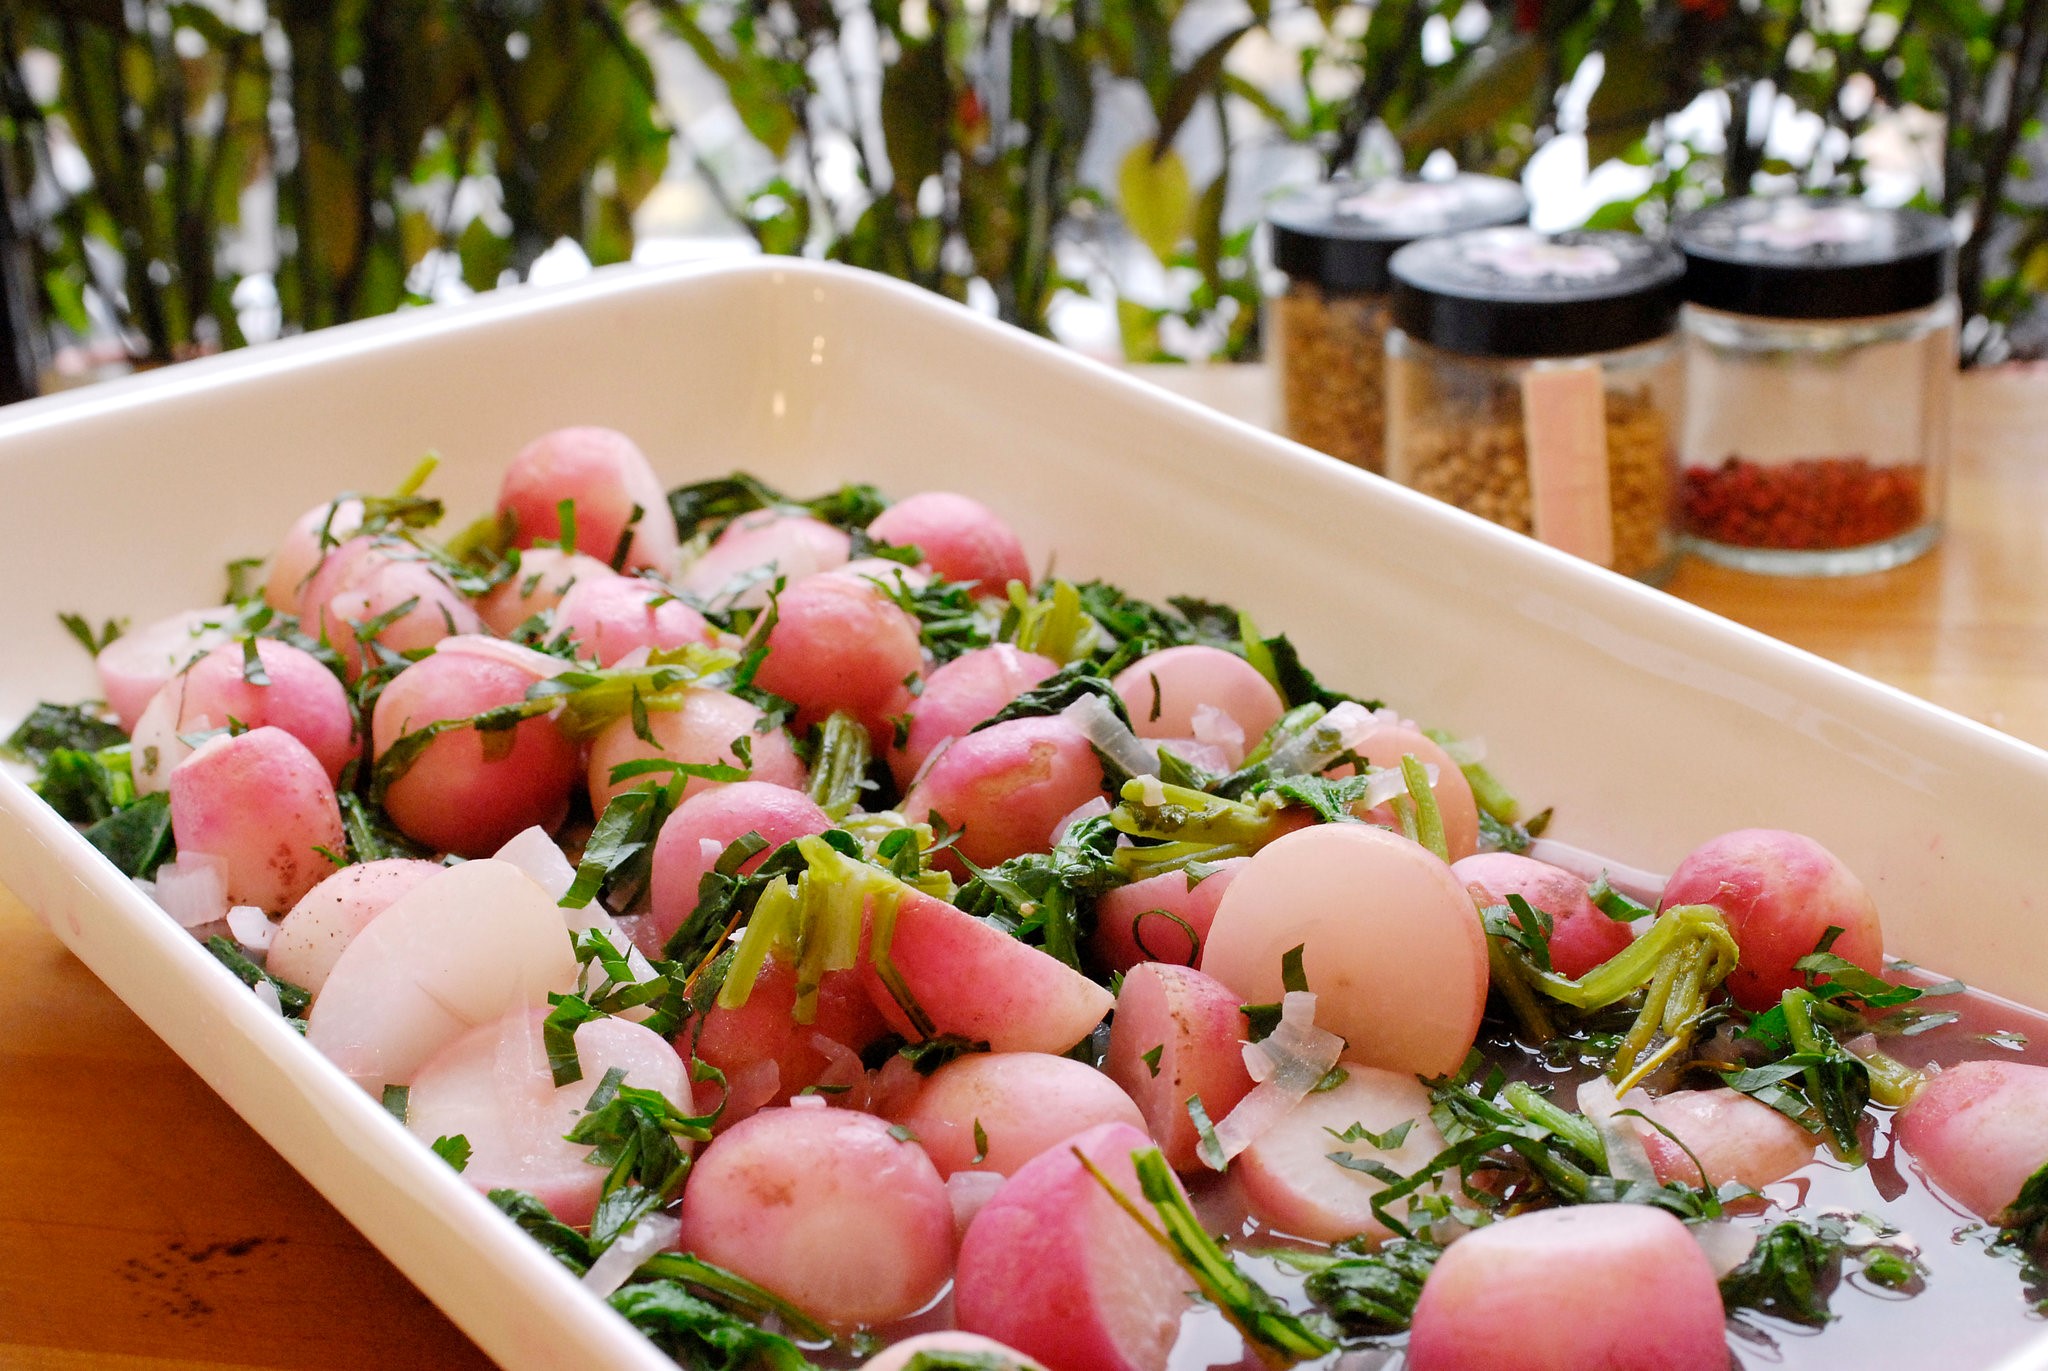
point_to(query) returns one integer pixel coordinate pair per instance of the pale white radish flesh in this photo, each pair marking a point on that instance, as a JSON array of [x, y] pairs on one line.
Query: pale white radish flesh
[[473, 944], [700, 730], [1392, 946], [1581, 937], [1732, 1136], [827, 1208], [1593, 1285], [1162, 918], [755, 550], [1054, 1268], [545, 576], [1177, 1033], [1021, 1102], [308, 541], [962, 693], [961, 538], [977, 981], [493, 1087], [985, 1351], [1163, 690], [296, 694], [327, 918], [1293, 1186], [606, 476], [263, 804], [1977, 1131], [134, 667]]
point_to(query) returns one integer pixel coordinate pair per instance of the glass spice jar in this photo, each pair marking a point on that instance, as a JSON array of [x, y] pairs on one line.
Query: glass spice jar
[[1328, 330], [1534, 380], [1821, 355]]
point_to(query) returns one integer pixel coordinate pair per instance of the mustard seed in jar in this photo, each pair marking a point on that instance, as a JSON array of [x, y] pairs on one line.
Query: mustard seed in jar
[[1329, 328]]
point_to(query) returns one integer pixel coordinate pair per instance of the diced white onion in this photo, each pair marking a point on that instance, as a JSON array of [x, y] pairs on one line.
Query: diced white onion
[[1094, 809], [1465, 751], [1644, 886], [1298, 1056], [1212, 726], [710, 850], [1627, 1158], [252, 927], [193, 889], [1727, 1245], [1098, 722], [147, 887], [969, 1191], [617, 1263], [1386, 785], [634, 660], [535, 853], [266, 995], [1151, 791], [809, 1102]]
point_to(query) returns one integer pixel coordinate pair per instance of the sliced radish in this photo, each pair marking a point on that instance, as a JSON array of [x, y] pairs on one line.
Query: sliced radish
[[328, 917], [1294, 1186], [1177, 1034], [996, 1111]]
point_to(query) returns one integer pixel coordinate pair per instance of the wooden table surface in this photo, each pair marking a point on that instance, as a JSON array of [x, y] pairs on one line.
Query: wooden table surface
[[143, 1225]]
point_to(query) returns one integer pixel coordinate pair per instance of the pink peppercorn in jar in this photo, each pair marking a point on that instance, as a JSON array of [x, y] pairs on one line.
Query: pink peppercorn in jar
[[1820, 338]]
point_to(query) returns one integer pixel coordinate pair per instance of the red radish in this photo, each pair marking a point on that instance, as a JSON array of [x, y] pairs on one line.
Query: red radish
[[1022, 1103], [607, 476], [1393, 947], [311, 537], [962, 693], [493, 1087], [701, 731], [610, 617], [1193, 1025], [827, 1208], [262, 803], [367, 581], [840, 643], [763, 1030], [1161, 918], [469, 791], [1977, 1131], [1581, 937], [974, 980], [696, 835], [1780, 892], [473, 944], [1732, 1136], [1592, 1286], [1008, 786], [135, 666], [1162, 690], [1384, 744], [545, 575], [755, 550], [1053, 1267], [961, 538], [1292, 1184], [328, 917], [985, 1352], [298, 695]]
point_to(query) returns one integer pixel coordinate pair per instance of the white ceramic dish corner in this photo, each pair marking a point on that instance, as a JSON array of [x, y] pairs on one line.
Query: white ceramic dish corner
[[1648, 724]]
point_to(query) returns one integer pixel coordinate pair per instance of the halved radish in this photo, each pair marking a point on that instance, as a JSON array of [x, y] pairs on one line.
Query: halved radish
[[1177, 1033], [995, 1111], [1290, 1179], [1161, 918], [135, 665], [763, 1031], [1978, 1130], [327, 918], [984, 1352], [1734, 1137]]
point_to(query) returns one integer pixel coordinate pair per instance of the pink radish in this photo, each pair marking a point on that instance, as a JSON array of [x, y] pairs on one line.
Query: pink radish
[[1053, 1267], [1161, 918], [1581, 937], [610, 617], [755, 550], [311, 537], [964, 692], [696, 835], [827, 1208], [1022, 1103], [764, 1032], [701, 731], [607, 476], [961, 538], [135, 666], [1294, 1187], [840, 643], [1176, 1034], [262, 803], [1732, 1136], [1163, 690], [1008, 786], [1384, 744], [298, 695], [366, 581], [327, 918], [1978, 1131], [545, 576]]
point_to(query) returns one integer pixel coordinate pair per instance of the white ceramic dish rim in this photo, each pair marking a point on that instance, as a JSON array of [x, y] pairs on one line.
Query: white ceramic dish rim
[[260, 1062]]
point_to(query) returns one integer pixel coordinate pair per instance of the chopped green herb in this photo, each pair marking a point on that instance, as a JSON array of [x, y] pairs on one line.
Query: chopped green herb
[[1151, 1059], [453, 1150]]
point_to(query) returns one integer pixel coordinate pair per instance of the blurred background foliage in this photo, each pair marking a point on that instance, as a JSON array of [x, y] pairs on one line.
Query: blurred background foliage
[[189, 176]]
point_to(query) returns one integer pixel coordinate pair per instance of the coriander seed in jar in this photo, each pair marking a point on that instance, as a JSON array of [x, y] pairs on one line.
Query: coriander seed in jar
[[1534, 379], [1329, 328], [1820, 351]]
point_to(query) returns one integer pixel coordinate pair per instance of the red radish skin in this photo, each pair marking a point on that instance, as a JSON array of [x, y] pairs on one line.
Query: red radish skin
[[612, 616], [1008, 786], [965, 691], [363, 580], [472, 945], [898, 1356], [1161, 918], [976, 981], [1385, 745], [1023, 1102], [301, 696], [763, 1030], [606, 474], [469, 792], [827, 1208], [1055, 1269], [755, 550], [1978, 1131], [493, 1087], [1779, 892], [135, 666], [1293, 1187], [696, 835], [262, 803], [1162, 691], [1594, 1287], [961, 538], [1394, 950], [840, 644], [544, 577], [700, 732], [327, 918], [1194, 1023], [1733, 1137], [311, 537], [1581, 937]]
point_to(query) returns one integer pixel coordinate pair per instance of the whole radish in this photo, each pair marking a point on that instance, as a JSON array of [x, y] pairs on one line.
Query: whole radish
[[609, 617], [1162, 918], [1581, 937], [1724, 1133], [135, 666], [285, 688], [995, 1111], [696, 835], [839, 643], [1163, 690], [762, 1042], [390, 585], [1385, 745], [262, 803], [1178, 1034], [961, 538], [606, 478], [1008, 786], [699, 726], [964, 692], [544, 577], [306, 544], [757, 549], [1977, 1131]]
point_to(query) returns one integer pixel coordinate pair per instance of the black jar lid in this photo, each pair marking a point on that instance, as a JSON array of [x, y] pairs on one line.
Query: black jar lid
[[1515, 292], [1340, 235], [1790, 257]]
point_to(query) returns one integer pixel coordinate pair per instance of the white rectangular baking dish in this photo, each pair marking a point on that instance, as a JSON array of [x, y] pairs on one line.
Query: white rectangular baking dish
[[1647, 723]]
